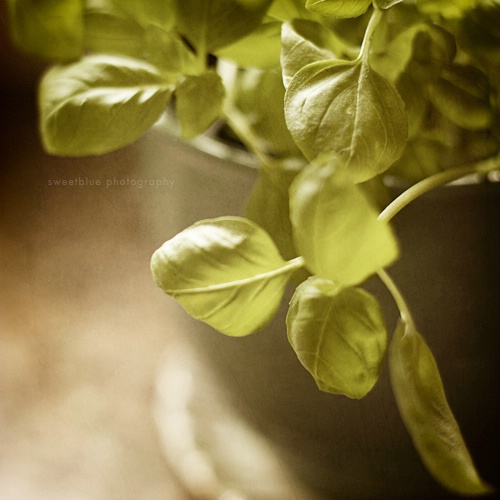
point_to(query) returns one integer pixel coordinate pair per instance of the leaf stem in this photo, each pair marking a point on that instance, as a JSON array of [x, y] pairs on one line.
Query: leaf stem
[[238, 124], [291, 265], [404, 310], [370, 30], [432, 182]]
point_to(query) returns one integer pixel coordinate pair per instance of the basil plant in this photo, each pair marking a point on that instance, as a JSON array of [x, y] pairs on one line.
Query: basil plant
[[331, 97]]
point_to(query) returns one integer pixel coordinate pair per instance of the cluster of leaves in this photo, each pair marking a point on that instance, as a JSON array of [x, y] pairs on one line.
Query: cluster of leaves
[[329, 95]]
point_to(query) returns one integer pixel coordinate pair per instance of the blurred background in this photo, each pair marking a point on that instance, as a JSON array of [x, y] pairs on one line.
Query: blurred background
[[82, 325]]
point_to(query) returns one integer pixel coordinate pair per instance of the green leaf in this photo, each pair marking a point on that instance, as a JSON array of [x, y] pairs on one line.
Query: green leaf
[[433, 49], [348, 109], [199, 101], [479, 35], [424, 156], [299, 50], [260, 49], [255, 98], [338, 335], [386, 4], [335, 227], [156, 12], [99, 104], [421, 400], [213, 24], [417, 106], [168, 52], [445, 8], [390, 57], [269, 207], [52, 29], [108, 29], [226, 272], [462, 95], [339, 8], [286, 10]]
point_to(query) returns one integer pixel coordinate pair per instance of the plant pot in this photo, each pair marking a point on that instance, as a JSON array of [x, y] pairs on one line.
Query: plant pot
[[241, 417]]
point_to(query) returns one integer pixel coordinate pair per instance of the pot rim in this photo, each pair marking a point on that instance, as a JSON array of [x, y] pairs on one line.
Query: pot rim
[[210, 144]]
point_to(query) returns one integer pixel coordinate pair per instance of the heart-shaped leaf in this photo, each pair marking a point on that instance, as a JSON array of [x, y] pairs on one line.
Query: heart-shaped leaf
[[226, 272], [348, 109], [339, 336]]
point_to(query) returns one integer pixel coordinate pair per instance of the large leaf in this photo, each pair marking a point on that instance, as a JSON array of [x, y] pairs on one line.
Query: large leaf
[[421, 400], [349, 109], [212, 24], [339, 335], [226, 272], [335, 227], [199, 102], [99, 104], [52, 29], [339, 8]]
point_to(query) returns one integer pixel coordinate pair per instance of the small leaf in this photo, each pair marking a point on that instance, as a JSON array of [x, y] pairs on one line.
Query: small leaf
[[434, 48], [298, 50], [213, 24], [167, 51], [386, 4], [335, 227], [109, 30], [339, 8], [52, 29], [259, 49], [99, 104], [462, 95], [445, 8], [199, 102], [348, 109], [286, 10], [423, 157], [152, 12], [421, 400], [390, 57], [338, 335], [269, 206], [226, 272], [255, 99]]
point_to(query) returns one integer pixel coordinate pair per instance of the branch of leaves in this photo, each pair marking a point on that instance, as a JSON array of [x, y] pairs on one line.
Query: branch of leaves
[[228, 273], [141, 54]]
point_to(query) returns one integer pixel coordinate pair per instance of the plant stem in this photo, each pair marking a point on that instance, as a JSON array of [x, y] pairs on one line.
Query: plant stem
[[370, 29], [432, 182], [404, 310], [238, 124]]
